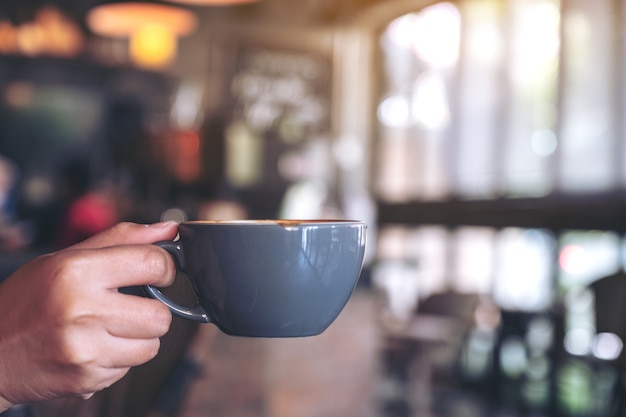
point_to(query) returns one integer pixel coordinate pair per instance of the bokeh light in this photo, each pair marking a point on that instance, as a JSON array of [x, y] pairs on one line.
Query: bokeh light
[[152, 45]]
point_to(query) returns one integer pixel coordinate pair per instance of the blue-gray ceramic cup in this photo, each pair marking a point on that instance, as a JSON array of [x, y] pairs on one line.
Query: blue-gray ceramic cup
[[267, 278]]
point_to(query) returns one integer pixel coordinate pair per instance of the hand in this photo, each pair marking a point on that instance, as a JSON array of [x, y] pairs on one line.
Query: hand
[[65, 329]]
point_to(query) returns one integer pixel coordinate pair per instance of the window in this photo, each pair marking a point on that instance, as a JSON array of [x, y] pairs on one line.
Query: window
[[500, 123]]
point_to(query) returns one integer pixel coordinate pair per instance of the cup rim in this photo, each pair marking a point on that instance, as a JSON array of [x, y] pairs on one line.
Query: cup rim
[[274, 222]]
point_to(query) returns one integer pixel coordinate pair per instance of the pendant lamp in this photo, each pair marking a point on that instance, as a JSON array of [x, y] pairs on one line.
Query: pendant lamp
[[152, 29], [121, 20]]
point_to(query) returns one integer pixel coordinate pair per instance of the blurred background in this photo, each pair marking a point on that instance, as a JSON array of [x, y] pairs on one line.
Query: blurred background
[[483, 141]]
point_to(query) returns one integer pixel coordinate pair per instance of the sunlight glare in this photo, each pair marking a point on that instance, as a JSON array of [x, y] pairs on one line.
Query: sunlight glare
[[430, 104], [437, 35], [537, 42], [393, 111]]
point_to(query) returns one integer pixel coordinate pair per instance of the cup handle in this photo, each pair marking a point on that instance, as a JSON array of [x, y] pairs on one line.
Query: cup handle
[[195, 312]]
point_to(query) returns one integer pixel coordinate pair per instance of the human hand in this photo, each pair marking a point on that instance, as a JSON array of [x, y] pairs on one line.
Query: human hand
[[65, 329]]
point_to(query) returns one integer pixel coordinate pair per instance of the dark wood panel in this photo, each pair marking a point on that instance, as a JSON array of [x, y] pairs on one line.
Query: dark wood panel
[[602, 211]]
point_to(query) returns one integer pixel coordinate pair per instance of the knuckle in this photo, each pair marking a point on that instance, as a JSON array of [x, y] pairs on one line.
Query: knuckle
[[74, 354], [65, 265], [122, 228], [64, 285]]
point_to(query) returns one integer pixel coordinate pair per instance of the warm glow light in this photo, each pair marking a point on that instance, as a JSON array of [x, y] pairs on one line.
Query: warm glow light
[[189, 143], [49, 33], [124, 19], [182, 151], [152, 45], [8, 37]]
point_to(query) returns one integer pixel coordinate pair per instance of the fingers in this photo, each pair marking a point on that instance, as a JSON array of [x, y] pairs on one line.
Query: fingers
[[121, 332], [68, 331], [131, 352], [103, 352], [87, 289], [130, 234], [118, 266], [135, 317]]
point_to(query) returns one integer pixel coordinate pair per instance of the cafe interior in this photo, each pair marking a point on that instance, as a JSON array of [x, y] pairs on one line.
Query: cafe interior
[[482, 141]]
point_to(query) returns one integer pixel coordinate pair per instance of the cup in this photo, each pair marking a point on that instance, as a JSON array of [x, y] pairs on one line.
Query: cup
[[267, 278]]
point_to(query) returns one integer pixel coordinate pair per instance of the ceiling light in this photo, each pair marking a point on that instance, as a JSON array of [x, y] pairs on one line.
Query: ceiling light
[[152, 46], [124, 19]]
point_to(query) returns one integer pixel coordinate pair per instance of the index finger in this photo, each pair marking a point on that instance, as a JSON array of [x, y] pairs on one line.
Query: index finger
[[127, 233], [128, 265]]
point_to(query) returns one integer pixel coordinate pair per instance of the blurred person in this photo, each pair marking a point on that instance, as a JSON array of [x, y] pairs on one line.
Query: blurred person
[[91, 207], [88, 214], [67, 330]]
